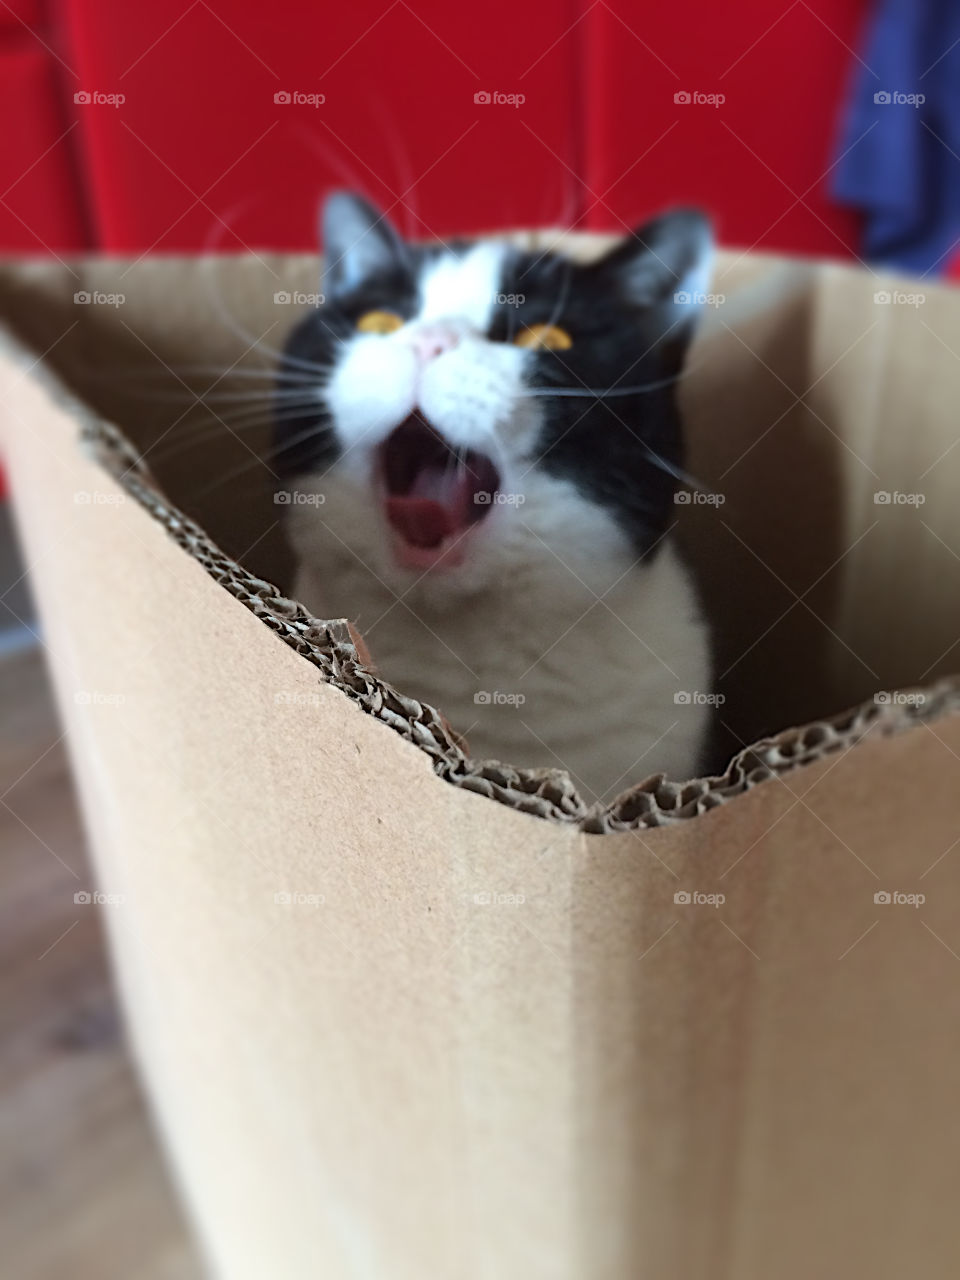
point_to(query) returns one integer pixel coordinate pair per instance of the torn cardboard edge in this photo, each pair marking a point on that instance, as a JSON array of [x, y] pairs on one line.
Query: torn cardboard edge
[[546, 793]]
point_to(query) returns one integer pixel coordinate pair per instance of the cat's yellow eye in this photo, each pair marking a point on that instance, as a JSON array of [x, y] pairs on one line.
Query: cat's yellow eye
[[544, 336], [380, 322]]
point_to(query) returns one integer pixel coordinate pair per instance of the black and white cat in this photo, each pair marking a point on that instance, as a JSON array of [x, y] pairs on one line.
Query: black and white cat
[[482, 447]]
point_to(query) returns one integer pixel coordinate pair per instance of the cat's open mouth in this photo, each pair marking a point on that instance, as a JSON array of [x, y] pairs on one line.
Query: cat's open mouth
[[433, 493]]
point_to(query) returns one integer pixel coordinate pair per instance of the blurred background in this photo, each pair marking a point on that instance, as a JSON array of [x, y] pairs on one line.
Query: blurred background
[[174, 126], [828, 128]]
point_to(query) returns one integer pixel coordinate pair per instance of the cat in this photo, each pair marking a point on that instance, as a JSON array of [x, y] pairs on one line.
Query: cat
[[480, 448]]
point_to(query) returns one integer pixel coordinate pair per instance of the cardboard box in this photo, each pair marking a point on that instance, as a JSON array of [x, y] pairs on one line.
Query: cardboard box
[[406, 1014]]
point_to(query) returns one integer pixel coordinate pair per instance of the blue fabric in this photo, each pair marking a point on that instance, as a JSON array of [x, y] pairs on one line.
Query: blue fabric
[[904, 174]]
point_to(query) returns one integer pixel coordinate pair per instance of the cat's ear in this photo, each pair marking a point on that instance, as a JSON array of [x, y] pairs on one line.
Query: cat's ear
[[665, 263], [358, 242]]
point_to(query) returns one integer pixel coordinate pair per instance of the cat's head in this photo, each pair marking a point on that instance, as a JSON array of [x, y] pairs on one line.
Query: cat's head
[[460, 411]]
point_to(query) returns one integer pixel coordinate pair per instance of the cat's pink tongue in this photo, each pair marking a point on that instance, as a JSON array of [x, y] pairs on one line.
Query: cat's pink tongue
[[419, 521], [437, 506]]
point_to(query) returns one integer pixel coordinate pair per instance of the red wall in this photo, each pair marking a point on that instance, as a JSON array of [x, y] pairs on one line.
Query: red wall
[[40, 208], [758, 159], [200, 155]]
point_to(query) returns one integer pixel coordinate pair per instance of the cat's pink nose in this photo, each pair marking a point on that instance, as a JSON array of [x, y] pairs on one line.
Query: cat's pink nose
[[434, 340]]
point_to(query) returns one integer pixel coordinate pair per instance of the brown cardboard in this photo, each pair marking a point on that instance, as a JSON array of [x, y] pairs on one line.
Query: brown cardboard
[[494, 1044]]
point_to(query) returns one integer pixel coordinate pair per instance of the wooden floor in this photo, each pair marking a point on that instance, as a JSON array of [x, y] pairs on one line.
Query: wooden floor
[[83, 1192]]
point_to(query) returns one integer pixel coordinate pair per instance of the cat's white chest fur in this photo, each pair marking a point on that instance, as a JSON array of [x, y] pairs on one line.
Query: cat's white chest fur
[[537, 669]]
